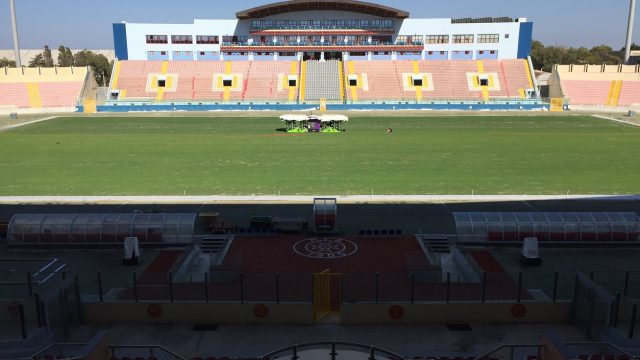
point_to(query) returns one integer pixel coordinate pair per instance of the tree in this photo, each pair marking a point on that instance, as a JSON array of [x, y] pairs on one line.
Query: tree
[[544, 58], [99, 63], [4, 62], [65, 56], [43, 59]]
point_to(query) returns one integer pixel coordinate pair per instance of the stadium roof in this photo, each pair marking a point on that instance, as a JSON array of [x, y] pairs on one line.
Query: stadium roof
[[284, 7]]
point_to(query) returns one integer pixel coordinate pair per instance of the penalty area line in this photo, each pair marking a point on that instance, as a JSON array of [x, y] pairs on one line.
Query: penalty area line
[[616, 120]]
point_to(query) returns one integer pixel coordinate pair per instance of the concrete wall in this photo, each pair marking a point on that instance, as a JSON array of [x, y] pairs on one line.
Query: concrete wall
[[302, 314], [455, 313], [198, 313], [598, 72]]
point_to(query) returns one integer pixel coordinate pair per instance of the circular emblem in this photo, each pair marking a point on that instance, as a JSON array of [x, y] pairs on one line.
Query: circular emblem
[[261, 311], [325, 248], [396, 312], [518, 311], [154, 310]]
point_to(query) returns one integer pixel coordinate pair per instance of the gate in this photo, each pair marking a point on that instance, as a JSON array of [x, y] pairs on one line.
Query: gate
[[592, 307], [327, 294], [60, 310]]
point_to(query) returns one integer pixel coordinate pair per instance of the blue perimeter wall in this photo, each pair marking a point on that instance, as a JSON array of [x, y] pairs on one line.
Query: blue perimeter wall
[[307, 107]]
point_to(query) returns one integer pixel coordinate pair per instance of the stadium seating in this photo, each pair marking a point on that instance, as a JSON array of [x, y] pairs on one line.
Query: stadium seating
[[450, 80], [14, 94], [630, 93], [377, 81], [41, 87], [201, 80], [322, 80], [587, 92], [263, 81], [609, 85]]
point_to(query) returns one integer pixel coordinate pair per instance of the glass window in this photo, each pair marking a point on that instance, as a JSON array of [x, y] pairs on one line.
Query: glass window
[[125, 226], [256, 24], [304, 23], [109, 228], [140, 227], [181, 39], [437, 39], [463, 39], [352, 24], [207, 39], [387, 24], [488, 38], [340, 24], [317, 24], [157, 39], [79, 228], [281, 24], [375, 24], [364, 24]]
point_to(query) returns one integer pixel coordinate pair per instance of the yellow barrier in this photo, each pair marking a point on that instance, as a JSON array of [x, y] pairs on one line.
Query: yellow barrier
[[89, 106], [326, 294], [557, 105], [292, 89], [303, 79]]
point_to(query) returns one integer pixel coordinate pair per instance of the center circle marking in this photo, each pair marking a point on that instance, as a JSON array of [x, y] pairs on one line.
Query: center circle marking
[[325, 248]]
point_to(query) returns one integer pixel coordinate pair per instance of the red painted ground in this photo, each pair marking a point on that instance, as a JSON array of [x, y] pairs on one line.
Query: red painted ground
[[276, 254], [258, 259], [156, 272], [487, 262]]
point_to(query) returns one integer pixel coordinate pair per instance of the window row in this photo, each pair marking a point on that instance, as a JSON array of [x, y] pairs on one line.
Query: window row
[[322, 24], [293, 40], [464, 39], [182, 39]]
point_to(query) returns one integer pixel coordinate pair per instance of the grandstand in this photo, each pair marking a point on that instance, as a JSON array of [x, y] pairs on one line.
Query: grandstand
[[278, 59], [43, 88], [600, 85], [414, 81]]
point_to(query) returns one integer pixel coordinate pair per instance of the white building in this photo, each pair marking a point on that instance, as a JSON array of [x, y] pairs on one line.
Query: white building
[[323, 29]]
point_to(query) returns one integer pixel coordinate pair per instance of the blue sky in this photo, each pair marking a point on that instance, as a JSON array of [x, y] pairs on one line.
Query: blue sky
[[87, 24]]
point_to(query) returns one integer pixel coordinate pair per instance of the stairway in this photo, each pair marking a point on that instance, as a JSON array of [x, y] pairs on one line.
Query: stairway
[[322, 80], [437, 244], [213, 244]]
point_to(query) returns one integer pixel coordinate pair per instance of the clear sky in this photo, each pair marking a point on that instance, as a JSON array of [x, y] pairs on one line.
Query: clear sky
[[87, 23]]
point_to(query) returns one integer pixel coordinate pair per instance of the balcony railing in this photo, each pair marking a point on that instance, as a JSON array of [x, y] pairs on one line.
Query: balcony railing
[[311, 27], [319, 43]]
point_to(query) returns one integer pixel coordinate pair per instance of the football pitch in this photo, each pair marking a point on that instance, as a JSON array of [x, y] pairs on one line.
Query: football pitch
[[245, 156]]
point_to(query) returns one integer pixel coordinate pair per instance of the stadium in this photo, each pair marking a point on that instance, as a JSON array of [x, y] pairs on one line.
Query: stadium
[[320, 180]]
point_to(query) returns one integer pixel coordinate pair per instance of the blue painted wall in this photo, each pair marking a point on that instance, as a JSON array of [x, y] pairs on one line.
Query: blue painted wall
[[208, 55], [516, 105], [524, 42], [460, 55], [409, 57], [120, 41], [182, 55], [486, 55], [436, 55], [157, 55]]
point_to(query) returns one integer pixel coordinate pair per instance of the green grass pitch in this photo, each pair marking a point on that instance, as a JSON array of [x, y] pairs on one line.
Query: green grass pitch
[[245, 156]]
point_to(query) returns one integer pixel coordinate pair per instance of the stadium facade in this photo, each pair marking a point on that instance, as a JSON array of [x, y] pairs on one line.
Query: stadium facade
[[312, 29]]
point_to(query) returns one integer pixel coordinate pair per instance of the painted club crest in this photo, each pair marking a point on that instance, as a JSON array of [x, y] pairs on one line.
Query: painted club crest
[[325, 248]]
